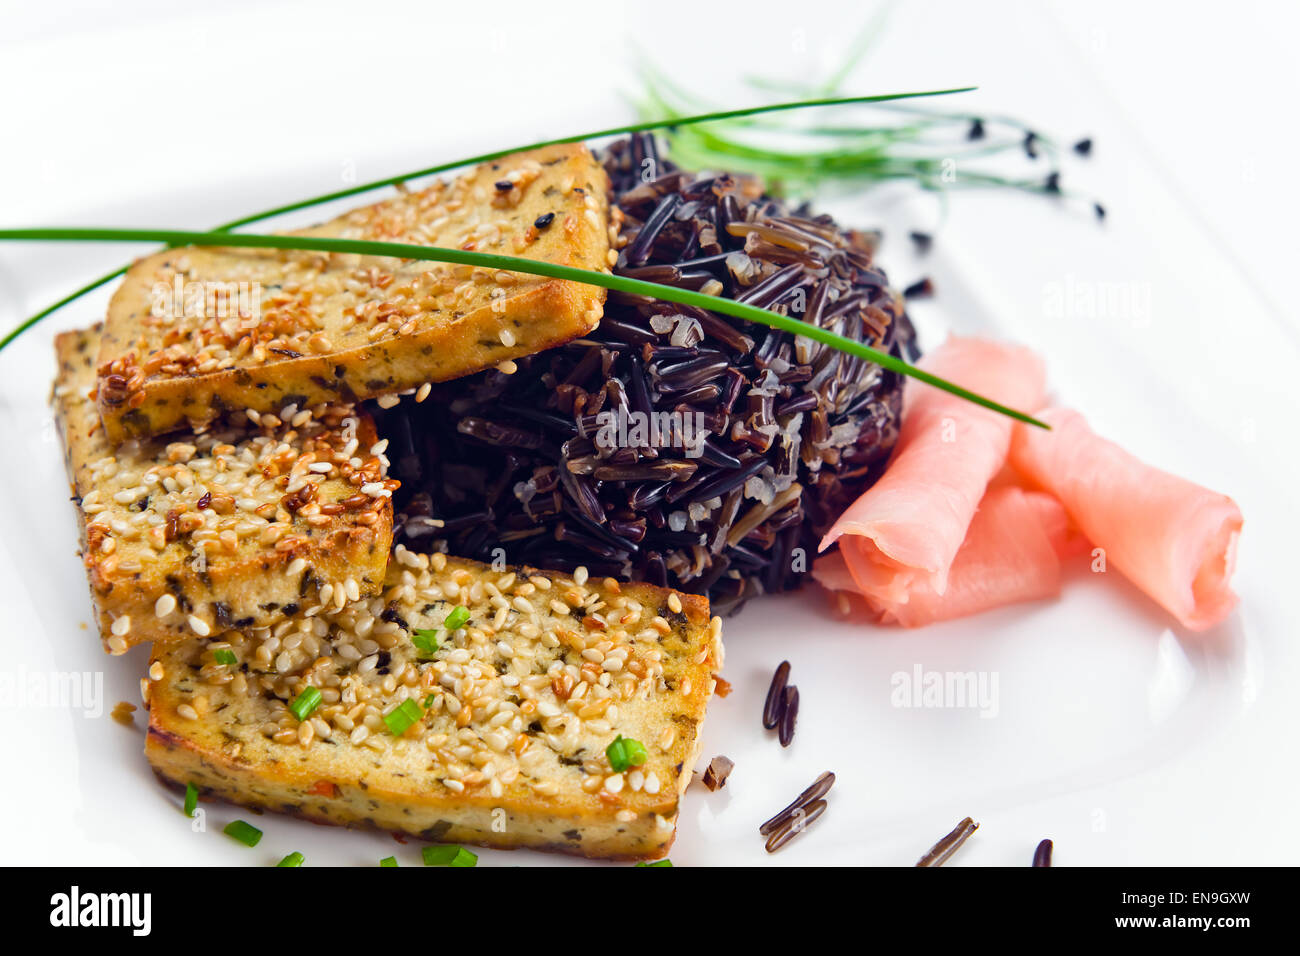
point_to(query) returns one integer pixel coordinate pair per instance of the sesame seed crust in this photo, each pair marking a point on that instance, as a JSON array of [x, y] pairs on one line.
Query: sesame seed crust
[[338, 328], [518, 708], [187, 536]]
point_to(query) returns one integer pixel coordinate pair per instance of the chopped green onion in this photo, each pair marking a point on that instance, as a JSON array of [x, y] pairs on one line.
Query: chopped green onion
[[457, 619], [625, 752], [191, 799], [401, 717], [388, 861], [428, 701], [305, 703], [552, 270], [448, 856], [245, 833], [657, 863], [224, 656], [425, 641], [293, 859]]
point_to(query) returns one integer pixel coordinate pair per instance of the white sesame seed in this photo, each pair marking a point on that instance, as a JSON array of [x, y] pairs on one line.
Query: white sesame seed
[[423, 392], [507, 338], [614, 783], [122, 625], [199, 626], [164, 605], [387, 401]]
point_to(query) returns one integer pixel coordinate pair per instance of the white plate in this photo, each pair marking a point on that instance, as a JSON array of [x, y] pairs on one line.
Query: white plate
[[1119, 737]]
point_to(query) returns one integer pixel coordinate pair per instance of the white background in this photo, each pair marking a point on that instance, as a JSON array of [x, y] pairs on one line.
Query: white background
[[167, 114]]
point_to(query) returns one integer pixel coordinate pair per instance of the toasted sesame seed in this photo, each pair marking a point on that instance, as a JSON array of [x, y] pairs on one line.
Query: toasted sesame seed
[[122, 625]]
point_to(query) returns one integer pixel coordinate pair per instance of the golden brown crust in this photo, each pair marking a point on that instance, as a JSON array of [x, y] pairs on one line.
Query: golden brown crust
[[338, 328], [214, 562], [237, 741]]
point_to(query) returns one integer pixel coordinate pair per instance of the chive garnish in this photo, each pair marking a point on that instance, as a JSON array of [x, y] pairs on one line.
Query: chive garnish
[[425, 641], [675, 121], [388, 861], [305, 703], [550, 270], [401, 717], [245, 833], [224, 656], [293, 859], [191, 799], [448, 856], [656, 863], [457, 619], [625, 752]]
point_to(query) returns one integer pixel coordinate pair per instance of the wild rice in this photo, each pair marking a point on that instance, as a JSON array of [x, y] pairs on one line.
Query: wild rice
[[1043, 854], [775, 702], [793, 431], [815, 791], [796, 824], [716, 774], [945, 848], [789, 714]]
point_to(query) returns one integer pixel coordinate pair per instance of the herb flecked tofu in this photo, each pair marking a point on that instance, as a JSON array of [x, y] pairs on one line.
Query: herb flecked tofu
[[194, 534], [194, 333], [490, 725]]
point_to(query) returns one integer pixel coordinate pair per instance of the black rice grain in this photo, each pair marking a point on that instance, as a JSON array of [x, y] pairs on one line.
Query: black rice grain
[[798, 822], [775, 702], [939, 854], [815, 791], [789, 714]]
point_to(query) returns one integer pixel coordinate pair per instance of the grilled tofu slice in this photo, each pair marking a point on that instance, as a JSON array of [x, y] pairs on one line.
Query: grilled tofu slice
[[194, 535], [193, 333], [514, 711]]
